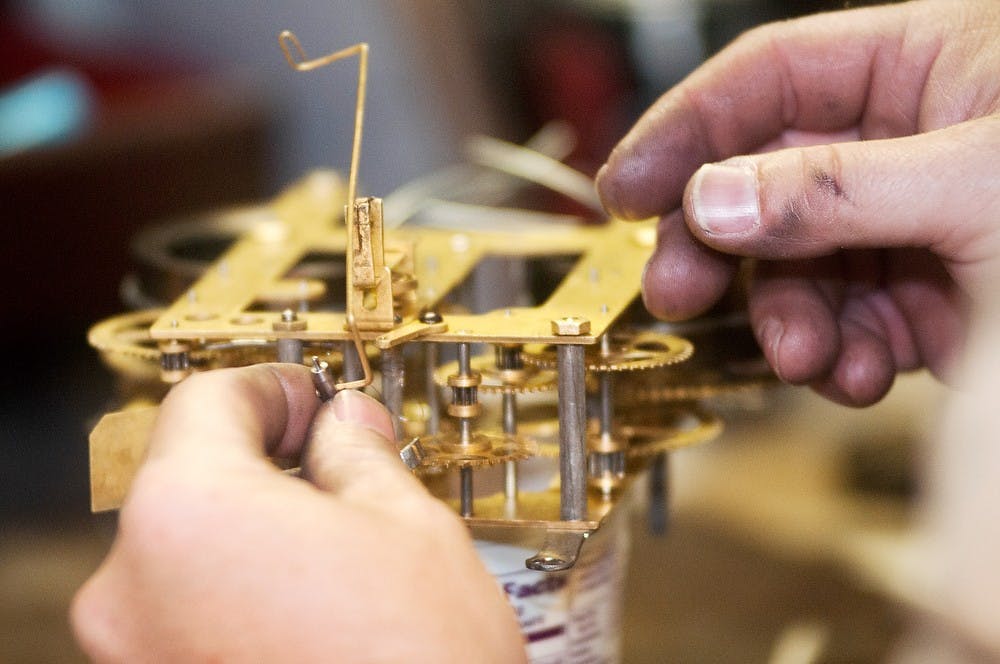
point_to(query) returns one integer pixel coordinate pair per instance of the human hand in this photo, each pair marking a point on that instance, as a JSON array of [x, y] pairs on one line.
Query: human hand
[[221, 557], [869, 249]]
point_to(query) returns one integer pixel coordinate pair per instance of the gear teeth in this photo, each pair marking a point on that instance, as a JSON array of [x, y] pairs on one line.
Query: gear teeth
[[127, 336], [678, 428], [629, 352], [674, 429], [445, 451]]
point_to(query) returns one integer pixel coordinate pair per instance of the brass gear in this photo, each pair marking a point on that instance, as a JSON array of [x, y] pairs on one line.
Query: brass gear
[[496, 381], [695, 383], [661, 430], [127, 335], [669, 429], [445, 450], [124, 343], [629, 351]]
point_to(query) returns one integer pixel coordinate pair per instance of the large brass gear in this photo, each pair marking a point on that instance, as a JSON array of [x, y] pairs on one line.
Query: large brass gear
[[691, 385], [627, 351], [728, 363], [644, 433], [445, 450], [668, 429], [125, 345], [497, 381]]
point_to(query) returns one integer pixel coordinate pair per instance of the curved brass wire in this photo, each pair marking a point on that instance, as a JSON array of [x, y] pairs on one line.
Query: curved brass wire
[[366, 367], [300, 62], [287, 40]]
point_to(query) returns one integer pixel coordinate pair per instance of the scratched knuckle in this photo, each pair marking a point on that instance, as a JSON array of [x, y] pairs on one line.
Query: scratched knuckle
[[816, 200]]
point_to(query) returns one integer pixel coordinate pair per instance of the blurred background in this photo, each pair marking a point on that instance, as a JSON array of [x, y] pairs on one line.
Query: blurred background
[[116, 114]]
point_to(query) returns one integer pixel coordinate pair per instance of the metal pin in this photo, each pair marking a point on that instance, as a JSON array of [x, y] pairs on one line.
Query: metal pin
[[322, 380]]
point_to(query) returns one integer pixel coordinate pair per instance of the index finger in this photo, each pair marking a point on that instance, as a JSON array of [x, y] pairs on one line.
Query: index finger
[[822, 74], [245, 413]]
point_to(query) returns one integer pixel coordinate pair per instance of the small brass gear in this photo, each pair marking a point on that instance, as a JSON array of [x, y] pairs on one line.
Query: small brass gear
[[498, 381], [445, 450], [627, 351]]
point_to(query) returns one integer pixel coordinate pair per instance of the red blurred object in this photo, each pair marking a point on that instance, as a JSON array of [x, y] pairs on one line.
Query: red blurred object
[[164, 143], [116, 77], [577, 69]]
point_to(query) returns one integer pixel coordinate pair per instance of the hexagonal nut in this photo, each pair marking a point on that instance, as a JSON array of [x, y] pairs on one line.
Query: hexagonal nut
[[570, 326], [289, 326]]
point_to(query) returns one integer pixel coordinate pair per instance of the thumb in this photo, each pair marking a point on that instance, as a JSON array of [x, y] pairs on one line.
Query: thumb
[[351, 453], [935, 190]]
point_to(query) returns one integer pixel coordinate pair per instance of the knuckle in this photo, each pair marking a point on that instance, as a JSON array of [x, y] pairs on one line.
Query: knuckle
[[805, 196], [822, 178], [91, 623]]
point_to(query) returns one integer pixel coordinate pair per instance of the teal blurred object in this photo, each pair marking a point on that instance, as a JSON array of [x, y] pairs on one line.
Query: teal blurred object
[[47, 108]]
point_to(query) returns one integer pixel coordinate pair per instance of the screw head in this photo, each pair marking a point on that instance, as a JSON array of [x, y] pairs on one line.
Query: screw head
[[570, 326], [288, 316], [430, 317]]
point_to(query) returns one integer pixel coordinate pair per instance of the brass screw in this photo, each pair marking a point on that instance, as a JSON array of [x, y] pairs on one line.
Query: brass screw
[[570, 326]]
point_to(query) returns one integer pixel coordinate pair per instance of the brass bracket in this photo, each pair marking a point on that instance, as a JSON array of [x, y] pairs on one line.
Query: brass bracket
[[369, 281]]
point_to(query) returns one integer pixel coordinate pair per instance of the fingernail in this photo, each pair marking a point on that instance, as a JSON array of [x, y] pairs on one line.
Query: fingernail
[[359, 408], [724, 197]]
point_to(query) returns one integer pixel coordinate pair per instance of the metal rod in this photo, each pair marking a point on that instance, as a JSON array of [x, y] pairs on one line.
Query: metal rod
[[352, 368], [607, 403], [606, 392], [393, 373], [290, 350], [431, 389], [510, 466], [465, 431], [572, 432], [464, 359], [466, 490], [658, 515], [510, 413]]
